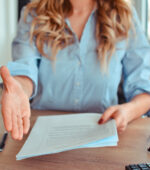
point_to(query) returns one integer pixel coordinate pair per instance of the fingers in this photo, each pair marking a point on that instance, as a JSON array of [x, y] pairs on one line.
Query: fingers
[[20, 127], [15, 121], [118, 120], [26, 124], [6, 77], [121, 130], [13, 124], [7, 119], [107, 115], [15, 127], [16, 124], [120, 123], [26, 119]]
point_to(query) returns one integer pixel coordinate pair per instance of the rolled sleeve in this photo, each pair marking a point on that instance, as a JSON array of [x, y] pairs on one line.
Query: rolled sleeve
[[25, 55], [136, 62], [23, 67]]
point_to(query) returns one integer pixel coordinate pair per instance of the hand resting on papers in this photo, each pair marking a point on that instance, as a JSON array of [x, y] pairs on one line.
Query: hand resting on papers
[[127, 112]]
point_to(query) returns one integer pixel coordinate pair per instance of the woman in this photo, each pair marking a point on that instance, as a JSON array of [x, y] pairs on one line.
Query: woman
[[73, 60]]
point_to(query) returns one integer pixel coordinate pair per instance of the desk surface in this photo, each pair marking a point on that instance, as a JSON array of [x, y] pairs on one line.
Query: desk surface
[[132, 148]]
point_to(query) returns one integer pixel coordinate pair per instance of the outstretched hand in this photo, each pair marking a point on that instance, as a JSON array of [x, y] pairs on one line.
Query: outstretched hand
[[15, 106]]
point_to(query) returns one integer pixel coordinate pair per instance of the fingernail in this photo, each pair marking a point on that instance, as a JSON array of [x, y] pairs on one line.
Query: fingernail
[[100, 121]]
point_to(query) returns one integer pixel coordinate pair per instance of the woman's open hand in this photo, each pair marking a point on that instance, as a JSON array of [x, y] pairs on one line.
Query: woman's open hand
[[15, 106]]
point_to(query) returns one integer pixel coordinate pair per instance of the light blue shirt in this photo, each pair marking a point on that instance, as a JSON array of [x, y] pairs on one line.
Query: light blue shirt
[[77, 82]]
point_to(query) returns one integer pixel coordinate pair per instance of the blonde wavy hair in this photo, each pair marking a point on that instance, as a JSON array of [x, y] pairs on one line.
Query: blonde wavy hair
[[113, 22]]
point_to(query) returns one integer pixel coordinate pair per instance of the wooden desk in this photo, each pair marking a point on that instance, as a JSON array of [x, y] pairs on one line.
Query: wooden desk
[[132, 148]]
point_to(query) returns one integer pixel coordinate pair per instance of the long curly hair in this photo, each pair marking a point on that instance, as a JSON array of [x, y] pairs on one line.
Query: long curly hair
[[113, 22]]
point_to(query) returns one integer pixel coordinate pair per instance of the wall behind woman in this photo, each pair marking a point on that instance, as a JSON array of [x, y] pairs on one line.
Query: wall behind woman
[[142, 9], [8, 20]]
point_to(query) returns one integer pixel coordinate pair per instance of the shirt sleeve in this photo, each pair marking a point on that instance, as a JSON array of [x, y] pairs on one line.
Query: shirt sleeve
[[25, 55], [136, 62]]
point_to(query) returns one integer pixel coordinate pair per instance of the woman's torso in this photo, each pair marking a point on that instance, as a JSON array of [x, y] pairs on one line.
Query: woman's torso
[[75, 82]]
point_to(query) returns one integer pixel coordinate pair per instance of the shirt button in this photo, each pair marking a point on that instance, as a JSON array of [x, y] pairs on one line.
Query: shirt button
[[76, 101], [78, 83], [79, 63]]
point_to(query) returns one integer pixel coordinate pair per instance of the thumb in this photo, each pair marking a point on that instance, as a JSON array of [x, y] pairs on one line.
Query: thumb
[[5, 75]]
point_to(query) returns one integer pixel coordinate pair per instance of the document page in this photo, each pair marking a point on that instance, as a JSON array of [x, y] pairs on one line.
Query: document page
[[53, 134]]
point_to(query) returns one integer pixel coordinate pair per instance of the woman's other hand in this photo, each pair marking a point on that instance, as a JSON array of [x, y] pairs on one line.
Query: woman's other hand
[[15, 106], [120, 114]]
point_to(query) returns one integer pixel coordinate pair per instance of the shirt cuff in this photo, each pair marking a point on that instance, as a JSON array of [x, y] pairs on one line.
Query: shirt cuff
[[19, 69], [136, 92]]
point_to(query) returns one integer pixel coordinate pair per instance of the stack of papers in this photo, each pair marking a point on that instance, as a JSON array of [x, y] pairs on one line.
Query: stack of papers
[[58, 133]]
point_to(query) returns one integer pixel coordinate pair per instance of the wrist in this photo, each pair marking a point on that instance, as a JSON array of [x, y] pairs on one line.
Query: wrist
[[26, 84], [131, 111], [138, 106]]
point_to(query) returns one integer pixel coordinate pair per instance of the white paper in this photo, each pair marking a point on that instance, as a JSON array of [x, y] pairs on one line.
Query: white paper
[[53, 134]]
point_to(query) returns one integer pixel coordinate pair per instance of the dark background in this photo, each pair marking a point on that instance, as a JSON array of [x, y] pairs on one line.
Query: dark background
[[21, 3]]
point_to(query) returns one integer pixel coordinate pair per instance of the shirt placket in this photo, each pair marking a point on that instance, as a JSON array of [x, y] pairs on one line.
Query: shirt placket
[[79, 78], [78, 85], [79, 58]]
